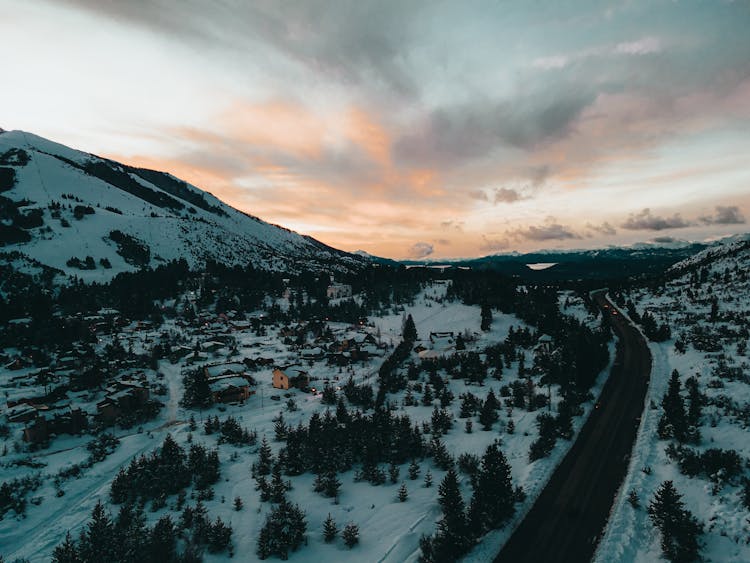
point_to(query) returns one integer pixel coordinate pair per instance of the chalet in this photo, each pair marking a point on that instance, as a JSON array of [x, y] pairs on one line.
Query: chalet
[[15, 364], [440, 335], [224, 369], [442, 341], [312, 353], [339, 291], [544, 345], [212, 346], [290, 376], [60, 419], [21, 412], [124, 396], [230, 388]]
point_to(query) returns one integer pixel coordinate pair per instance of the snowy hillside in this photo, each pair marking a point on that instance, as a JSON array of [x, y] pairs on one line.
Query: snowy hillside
[[694, 428], [93, 217]]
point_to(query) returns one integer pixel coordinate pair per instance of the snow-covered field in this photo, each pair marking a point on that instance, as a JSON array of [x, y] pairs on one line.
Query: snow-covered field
[[714, 354], [389, 529]]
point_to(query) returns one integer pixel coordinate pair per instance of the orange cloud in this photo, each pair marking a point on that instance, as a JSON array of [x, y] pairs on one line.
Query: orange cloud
[[279, 124], [370, 136]]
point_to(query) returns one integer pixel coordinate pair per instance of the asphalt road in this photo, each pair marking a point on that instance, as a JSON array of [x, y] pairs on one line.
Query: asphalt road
[[570, 514]]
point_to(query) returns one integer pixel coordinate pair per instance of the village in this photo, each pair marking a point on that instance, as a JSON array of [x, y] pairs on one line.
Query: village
[[123, 388]]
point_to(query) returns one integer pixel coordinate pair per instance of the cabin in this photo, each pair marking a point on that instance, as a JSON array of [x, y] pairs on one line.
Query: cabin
[[312, 353], [339, 291], [124, 396], [442, 341], [290, 377], [58, 420], [227, 368], [230, 388], [544, 345]]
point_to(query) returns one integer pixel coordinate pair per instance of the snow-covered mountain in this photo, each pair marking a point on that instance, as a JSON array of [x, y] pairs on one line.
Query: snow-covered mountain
[[94, 217]]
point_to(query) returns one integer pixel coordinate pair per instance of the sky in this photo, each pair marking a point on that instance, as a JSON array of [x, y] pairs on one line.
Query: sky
[[409, 129]]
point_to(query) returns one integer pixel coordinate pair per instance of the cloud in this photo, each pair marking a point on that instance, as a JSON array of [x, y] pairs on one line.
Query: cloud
[[646, 221], [421, 250], [725, 215], [551, 62], [507, 195], [478, 194], [644, 46], [458, 134], [494, 244], [602, 229], [549, 231], [452, 224]]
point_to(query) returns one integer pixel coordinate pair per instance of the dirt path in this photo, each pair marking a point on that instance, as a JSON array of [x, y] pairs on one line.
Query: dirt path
[[570, 514]]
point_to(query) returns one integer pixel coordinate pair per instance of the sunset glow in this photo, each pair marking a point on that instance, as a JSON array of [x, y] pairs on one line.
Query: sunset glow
[[409, 131]]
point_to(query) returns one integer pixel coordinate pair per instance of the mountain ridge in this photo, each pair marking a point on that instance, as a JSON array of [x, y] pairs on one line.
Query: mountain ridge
[[92, 217]]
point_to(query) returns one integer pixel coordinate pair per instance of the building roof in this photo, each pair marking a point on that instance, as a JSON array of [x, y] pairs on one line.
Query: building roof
[[224, 383], [223, 369]]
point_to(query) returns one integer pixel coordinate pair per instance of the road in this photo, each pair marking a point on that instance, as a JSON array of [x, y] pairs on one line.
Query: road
[[569, 516]]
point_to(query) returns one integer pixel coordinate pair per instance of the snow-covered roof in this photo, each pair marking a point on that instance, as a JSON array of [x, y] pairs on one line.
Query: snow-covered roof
[[224, 383], [221, 369]]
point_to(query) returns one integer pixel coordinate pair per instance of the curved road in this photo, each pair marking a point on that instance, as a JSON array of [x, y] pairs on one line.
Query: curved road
[[568, 517]]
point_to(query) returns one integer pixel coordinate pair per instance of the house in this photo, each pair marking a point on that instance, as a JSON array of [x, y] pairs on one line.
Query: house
[[290, 376], [56, 419], [544, 345], [219, 370], [339, 291], [37, 432], [312, 353], [442, 341], [230, 388], [21, 412], [212, 346], [124, 396]]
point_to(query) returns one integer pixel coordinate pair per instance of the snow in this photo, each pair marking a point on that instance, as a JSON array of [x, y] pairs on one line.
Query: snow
[[390, 530], [234, 238], [630, 536]]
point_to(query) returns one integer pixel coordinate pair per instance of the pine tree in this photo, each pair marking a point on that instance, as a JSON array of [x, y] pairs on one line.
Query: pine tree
[[162, 541], [130, 534], [280, 429], [403, 493], [673, 422], [679, 528], [330, 531], [97, 539], [452, 537], [66, 552], [279, 487], [219, 536], [493, 501], [427, 396], [238, 504], [283, 530], [460, 344], [488, 415], [350, 535], [486, 315], [428, 479], [393, 472], [265, 458], [263, 550], [413, 470], [409, 330]]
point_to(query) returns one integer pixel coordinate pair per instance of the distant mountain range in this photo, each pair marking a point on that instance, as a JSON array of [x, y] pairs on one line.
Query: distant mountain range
[[599, 264], [93, 217]]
